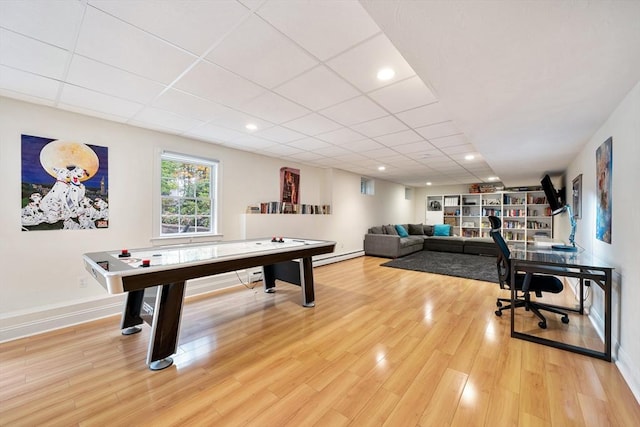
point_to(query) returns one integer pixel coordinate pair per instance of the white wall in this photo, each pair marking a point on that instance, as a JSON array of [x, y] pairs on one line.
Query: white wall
[[41, 270], [624, 127]]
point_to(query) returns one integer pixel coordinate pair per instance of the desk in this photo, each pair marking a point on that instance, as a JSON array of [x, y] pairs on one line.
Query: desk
[[581, 265], [155, 293]]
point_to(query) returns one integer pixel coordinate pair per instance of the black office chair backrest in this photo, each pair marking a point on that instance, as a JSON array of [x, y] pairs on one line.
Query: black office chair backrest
[[495, 222], [504, 254]]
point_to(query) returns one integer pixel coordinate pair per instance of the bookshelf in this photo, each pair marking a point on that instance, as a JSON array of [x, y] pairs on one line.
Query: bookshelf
[[525, 214]]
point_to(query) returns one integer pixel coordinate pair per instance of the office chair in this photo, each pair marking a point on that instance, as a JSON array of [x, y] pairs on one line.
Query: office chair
[[525, 283]]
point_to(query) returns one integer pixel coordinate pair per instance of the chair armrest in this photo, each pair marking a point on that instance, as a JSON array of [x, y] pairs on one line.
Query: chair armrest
[[386, 245]]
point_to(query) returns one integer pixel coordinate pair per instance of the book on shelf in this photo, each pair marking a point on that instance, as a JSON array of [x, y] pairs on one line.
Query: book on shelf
[[289, 208]]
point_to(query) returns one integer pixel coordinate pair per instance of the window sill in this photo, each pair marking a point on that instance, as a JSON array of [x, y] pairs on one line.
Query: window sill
[[181, 239]]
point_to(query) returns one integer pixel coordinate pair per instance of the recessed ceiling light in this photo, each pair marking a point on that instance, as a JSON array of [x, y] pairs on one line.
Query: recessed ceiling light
[[251, 126], [469, 157], [381, 168], [386, 74], [428, 183]]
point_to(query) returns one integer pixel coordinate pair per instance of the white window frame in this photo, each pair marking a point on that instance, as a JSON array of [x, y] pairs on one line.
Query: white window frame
[[367, 186], [214, 195]]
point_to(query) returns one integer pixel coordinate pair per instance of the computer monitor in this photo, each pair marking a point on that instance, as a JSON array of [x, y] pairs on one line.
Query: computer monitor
[[557, 205]]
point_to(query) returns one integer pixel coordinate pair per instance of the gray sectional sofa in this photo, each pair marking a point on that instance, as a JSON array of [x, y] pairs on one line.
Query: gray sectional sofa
[[384, 241]]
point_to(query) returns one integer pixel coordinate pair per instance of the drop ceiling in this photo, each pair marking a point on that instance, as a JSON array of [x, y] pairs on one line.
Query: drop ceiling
[[521, 86]]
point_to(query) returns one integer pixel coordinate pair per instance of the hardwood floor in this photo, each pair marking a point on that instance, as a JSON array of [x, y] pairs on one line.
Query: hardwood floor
[[383, 346]]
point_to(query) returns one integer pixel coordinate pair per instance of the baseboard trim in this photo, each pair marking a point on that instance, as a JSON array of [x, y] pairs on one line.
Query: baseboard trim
[[25, 324], [629, 371]]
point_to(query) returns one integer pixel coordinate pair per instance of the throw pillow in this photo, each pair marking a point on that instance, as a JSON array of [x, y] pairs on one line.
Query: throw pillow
[[376, 230], [390, 229], [416, 230], [441, 229], [428, 230], [401, 231]]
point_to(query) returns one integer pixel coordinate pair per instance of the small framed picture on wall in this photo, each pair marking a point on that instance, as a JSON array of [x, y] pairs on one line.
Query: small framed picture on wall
[[577, 197]]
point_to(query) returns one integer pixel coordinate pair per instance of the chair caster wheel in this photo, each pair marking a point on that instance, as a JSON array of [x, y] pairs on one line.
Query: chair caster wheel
[[543, 325], [498, 304], [498, 313], [565, 319]]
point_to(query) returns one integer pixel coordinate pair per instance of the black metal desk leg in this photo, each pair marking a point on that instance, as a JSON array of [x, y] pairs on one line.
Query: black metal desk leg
[[165, 326], [131, 313], [306, 282], [269, 278]]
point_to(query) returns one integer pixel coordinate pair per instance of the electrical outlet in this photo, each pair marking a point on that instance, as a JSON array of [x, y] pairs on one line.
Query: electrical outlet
[[83, 282], [254, 276]]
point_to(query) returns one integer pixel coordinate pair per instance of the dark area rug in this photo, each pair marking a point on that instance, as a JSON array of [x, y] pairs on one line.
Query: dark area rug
[[477, 267]]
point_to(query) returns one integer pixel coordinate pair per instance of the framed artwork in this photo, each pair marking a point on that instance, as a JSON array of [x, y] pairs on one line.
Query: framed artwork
[[577, 197], [290, 186], [604, 169], [64, 185]]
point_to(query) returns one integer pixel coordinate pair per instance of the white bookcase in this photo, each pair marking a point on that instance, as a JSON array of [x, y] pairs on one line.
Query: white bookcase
[[524, 214]]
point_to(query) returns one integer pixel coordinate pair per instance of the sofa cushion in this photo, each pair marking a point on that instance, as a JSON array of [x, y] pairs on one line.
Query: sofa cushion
[[401, 231], [428, 230], [390, 229], [416, 229], [376, 230], [442, 230]]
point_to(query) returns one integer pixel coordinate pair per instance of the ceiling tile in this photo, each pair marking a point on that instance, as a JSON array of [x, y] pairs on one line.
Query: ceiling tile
[[218, 85], [398, 138], [340, 136], [279, 134], [180, 23], [52, 22], [28, 84], [30, 55], [306, 156], [102, 37], [356, 110], [312, 124], [332, 151], [404, 95], [165, 119], [362, 145], [449, 141], [309, 144], [258, 52], [361, 64], [381, 153], [282, 150], [352, 157], [273, 107], [251, 142], [213, 133], [425, 115], [415, 147], [318, 88], [188, 105], [438, 130], [324, 28], [99, 77], [383, 126], [460, 149], [94, 101], [238, 121]]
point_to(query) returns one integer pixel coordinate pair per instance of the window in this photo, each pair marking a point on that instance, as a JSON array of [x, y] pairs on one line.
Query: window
[[366, 186], [188, 195]]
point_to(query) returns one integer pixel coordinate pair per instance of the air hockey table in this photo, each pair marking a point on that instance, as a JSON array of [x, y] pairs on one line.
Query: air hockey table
[[154, 279]]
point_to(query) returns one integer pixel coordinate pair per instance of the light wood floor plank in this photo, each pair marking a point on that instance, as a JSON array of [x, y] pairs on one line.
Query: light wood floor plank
[[383, 346]]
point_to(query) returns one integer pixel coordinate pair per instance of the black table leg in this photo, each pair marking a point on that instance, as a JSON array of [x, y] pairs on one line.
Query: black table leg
[[131, 314], [299, 272], [165, 326]]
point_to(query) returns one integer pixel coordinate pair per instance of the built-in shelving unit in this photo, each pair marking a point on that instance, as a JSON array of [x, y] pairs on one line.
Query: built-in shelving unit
[[525, 214]]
